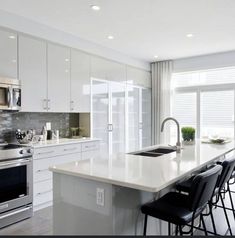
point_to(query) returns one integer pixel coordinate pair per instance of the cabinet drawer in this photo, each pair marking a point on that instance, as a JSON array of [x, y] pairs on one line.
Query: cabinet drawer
[[90, 146], [43, 198], [42, 187], [69, 149], [46, 152]]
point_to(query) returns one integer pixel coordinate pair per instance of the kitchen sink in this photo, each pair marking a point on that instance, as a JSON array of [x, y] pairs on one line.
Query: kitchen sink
[[148, 154], [162, 150], [155, 152]]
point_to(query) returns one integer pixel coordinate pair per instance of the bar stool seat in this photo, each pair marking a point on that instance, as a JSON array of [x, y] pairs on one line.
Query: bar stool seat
[[173, 207]]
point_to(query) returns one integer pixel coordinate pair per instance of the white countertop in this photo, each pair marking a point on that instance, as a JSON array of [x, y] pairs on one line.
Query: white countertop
[[150, 174], [62, 141]]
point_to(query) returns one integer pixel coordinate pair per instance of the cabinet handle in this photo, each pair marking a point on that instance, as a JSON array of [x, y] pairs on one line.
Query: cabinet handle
[[42, 170], [70, 149], [48, 191], [45, 153], [72, 105], [110, 127], [45, 104], [48, 104]]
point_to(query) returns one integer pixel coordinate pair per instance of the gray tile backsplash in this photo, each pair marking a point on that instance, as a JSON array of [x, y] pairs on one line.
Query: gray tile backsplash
[[10, 121]]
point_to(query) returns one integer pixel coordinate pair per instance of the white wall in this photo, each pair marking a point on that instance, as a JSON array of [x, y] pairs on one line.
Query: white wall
[[24, 25], [211, 61]]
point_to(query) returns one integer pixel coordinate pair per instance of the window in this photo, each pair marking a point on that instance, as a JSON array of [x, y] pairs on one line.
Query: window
[[205, 101]]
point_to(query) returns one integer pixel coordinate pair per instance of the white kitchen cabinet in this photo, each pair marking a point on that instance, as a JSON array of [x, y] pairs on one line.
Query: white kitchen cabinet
[[80, 82], [33, 74], [98, 68], [47, 156], [8, 55], [138, 77], [58, 78], [116, 72], [102, 69]]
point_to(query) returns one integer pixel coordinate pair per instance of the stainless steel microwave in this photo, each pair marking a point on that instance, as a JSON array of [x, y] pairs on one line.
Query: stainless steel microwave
[[10, 94]]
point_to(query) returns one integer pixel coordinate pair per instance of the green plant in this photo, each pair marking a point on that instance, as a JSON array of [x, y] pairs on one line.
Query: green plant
[[188, 133]]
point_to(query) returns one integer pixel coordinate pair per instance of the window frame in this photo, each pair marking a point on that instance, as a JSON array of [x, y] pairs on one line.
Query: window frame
[[198, 89]]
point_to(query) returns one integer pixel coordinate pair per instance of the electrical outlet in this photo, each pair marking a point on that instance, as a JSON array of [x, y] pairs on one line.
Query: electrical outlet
[[100, 196]]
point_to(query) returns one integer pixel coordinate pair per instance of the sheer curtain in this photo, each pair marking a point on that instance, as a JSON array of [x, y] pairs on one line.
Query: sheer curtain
[[161, 99]]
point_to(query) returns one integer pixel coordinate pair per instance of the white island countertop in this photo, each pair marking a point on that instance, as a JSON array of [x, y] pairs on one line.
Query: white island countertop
[[150, 174]]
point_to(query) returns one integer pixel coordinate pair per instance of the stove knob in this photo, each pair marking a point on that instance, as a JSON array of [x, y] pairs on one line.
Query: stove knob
[[30, 151], [21, 152]]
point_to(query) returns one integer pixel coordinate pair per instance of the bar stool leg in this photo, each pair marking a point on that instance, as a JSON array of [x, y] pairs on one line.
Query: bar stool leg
[[169, 228], [145, 224], [181, 231], [176, 230], [212, 218], [203, 224], [231, 200], [226, 215]]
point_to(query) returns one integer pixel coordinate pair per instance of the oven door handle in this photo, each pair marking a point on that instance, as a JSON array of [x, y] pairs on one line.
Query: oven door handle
[[15, 212], [16, 163]]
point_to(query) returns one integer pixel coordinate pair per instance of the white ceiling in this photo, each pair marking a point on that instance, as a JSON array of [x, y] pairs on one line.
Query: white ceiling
[[141, 28]]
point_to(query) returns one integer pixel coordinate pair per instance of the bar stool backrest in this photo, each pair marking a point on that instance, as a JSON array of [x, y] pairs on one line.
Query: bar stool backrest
[[228, 168], [203, 187]]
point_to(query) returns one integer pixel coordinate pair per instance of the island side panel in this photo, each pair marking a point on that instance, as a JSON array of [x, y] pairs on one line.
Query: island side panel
[[76, 212], [75, 209]]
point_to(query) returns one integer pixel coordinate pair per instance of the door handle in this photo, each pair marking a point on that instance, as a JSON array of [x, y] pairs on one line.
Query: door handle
[[48, 104], [45, 104]]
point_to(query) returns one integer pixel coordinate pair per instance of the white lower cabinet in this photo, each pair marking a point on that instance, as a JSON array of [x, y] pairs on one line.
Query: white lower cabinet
[[48, 156]]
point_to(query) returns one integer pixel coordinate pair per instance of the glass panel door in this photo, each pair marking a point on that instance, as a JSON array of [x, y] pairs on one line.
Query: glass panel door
[[133, 118], [100, 113], [117, 117], [146, 117]]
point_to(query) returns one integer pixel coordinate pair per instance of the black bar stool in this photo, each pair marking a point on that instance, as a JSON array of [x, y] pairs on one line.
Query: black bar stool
[[181, 209], [228, 168]]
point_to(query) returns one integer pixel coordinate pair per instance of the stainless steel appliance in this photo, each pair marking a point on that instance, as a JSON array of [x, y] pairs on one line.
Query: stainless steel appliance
[[16, 183], [10, 94]]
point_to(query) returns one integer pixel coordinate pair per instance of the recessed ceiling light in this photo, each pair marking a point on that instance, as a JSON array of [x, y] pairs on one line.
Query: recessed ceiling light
[[11, 37], [190, 35], [110, 37], [95, 7], [155, 56]]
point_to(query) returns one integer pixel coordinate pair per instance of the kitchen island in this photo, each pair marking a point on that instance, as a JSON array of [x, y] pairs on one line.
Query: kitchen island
[[103, 195]]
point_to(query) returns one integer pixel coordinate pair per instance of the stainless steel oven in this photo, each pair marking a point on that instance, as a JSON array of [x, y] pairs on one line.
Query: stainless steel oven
[[10, 94], [16, 188]]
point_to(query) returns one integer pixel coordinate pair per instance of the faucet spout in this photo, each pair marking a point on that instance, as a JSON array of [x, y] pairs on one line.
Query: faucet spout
[[178, 144]]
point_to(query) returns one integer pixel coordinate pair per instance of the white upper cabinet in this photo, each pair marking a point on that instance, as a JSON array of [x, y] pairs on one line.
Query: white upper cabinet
[[8, 54], [98, 68], [116, 72], [108, 70], [33, 74], [138, 77], [58, 78], [80, 82]]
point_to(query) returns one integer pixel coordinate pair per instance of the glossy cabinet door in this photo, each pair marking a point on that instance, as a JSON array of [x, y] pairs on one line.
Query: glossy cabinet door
[[101, 114], [116, 72], [98, 68], [33, 74], [146, 125], [58, 78], [134, 116], [117, 120], [80, 82], [8, 54], [138, 77]]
